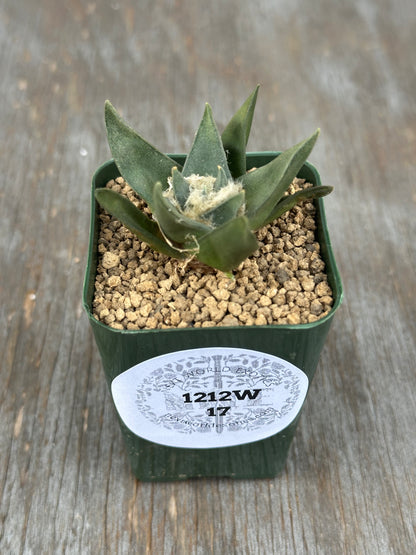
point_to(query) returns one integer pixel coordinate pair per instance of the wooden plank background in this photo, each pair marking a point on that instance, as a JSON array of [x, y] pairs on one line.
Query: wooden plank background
[[347, 67]]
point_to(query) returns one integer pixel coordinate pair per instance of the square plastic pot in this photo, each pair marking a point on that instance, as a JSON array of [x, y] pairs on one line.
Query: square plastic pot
[[121, 350]]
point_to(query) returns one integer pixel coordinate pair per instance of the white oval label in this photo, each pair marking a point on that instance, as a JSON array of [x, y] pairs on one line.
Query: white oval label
[[209, 397]]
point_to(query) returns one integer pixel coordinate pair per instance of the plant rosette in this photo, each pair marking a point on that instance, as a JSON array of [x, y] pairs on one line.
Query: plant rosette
[[208, 399]]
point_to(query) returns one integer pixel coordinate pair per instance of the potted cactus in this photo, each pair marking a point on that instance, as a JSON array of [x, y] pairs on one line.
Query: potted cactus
[[217, 400]]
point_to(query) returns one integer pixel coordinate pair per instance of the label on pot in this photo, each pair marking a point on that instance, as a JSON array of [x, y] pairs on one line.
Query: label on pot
[[209, 397]]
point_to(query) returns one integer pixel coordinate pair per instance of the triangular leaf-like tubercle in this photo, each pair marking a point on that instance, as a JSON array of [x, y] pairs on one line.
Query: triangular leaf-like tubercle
[[266, 185], [225, 211], [236, 134], [180, 187], [221, 180], [287, 203], [207, 152], [135, 220], [140, 163], [227, 246]]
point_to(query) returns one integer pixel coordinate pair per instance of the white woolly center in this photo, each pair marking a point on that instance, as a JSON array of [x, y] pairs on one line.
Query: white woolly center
[[202, 194]]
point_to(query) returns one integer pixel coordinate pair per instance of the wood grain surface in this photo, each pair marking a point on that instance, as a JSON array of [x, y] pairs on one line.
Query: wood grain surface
[[346, 67]]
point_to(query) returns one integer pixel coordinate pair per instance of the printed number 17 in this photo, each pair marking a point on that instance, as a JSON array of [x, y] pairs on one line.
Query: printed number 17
[[221, 411]]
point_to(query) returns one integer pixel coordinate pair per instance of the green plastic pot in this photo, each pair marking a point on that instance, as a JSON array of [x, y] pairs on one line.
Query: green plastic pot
[[122, 349]]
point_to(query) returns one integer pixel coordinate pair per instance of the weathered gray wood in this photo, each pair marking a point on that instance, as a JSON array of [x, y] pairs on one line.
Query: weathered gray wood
[[347, 67]]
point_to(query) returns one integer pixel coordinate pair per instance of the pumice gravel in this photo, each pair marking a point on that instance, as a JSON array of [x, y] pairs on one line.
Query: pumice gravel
[[283, 282]]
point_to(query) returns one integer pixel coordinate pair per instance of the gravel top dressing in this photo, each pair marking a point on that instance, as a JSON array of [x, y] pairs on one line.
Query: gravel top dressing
[[284, 282]]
